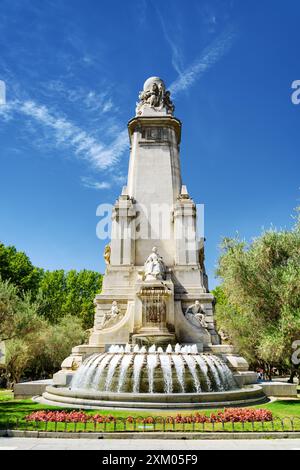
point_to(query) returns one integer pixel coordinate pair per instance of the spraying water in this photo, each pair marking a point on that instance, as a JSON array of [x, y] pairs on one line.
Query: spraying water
[[204, 369], [99, 373], [111, 369], [137, 367], [181, 364], [152, 362], [126, 361], [214, 371], [167, 372], [80, 375], [192, 367]]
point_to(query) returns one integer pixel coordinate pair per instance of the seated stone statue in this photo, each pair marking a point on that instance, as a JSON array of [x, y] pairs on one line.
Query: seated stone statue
[[195, 315], [154, 266]]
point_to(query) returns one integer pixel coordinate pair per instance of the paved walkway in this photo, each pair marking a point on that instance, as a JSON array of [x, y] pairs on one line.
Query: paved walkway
[[16, 443]]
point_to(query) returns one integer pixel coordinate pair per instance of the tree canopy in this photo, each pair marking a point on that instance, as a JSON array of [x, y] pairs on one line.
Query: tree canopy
[[258, 303], [18, 314], [57, 293], [43, 314], [16, 267], [69, 293]]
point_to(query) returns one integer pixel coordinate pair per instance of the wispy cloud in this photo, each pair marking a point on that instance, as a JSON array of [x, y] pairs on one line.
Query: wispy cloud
[[209, 57], [90, 183], [100, 102], [65, 132], [140, 9], [177, 55]]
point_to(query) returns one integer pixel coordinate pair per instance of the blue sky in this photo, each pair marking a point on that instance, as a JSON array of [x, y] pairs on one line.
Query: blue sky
[[73, 70]]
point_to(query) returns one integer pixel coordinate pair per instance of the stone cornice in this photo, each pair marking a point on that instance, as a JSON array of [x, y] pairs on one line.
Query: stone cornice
[[162, 121]]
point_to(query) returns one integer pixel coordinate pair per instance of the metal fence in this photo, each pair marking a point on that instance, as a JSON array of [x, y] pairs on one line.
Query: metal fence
[[151, 424]]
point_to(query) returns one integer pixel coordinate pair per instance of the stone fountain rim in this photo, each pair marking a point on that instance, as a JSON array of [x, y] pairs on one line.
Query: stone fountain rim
[[249, 395], [82, 393]]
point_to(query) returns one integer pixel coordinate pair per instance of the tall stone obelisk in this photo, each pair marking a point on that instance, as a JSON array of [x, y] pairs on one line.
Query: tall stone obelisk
[[155, 210]]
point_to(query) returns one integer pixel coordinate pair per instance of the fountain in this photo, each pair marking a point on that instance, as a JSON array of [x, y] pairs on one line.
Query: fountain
[[154, 343], [137, 377]]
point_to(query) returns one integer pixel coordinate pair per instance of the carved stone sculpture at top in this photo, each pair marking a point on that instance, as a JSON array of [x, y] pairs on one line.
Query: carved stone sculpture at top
[[154, 96], [154, 266]]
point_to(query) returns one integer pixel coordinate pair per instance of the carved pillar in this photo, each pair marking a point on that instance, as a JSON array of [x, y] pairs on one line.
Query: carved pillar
[[186, 247], [123, 232]]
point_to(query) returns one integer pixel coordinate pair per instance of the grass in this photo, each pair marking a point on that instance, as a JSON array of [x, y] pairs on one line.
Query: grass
[[15, 410], [6, 395]]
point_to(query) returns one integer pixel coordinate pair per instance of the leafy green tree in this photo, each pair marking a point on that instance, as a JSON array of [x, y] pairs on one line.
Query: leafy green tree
[[52, 345], [81, 288], [16, 267], [51, 295], [40, 353], [260, 308], [69, 293], [17, 356], [18, 314]]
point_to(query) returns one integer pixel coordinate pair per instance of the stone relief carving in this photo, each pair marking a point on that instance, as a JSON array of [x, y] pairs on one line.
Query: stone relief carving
[[107, 319], [155, 312], [154, 267], [195, 315], [155, 133], [155, 96]]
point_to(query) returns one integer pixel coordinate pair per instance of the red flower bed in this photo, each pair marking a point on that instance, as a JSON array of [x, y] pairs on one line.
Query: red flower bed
[[240, 415], [236, 415]]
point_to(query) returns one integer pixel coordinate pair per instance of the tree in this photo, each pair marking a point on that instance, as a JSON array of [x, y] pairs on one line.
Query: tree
[[17, 356], [53, 345], [40, 353], [81, 288], [18, 314], [261, 287], [51, 295], [16, 267], [69, 293]]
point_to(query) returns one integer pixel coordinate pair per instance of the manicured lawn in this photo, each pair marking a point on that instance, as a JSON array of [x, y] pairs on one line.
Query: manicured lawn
[[284, 408], [6, 395], [16, 410]]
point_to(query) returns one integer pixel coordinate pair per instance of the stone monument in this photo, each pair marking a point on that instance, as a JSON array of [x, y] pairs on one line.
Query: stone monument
[[155, 289]]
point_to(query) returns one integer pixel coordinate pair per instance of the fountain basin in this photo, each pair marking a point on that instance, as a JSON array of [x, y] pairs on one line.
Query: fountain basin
[[88, 399], [139, 370], [153, 378]]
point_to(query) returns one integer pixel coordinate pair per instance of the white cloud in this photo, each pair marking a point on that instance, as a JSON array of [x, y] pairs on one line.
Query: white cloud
[[65, 132], [92, 184], [210, 56], [100, 102], [177, 56]]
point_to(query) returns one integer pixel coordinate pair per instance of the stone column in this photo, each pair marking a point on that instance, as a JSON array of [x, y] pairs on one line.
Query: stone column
[[123, 232], [186, 247]]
